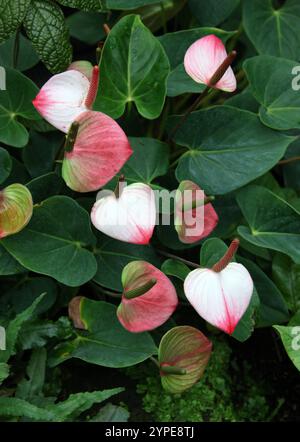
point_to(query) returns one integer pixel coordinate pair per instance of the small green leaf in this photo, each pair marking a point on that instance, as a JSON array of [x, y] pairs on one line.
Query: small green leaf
[[12, 13], [213, 12], [105, 342], [46, 28], [58, 232], [27, 57], [5, 164], [286, 274], [134, 68], [32, 386], [290, 337], [171, 267], [16, 103]]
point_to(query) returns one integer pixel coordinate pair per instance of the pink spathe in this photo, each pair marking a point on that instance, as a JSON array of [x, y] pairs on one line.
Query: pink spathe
[[203, 58], [221, 298], [130, 217]]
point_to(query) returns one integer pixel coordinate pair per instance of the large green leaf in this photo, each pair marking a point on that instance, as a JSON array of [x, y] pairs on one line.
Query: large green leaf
[[58, 233], [134, 68], [213, 12], [176, 45], [5, 164], [16, 103], [27, 56], [112, 256], [8, 265], [12, 13], [271, 83], [46, 28], [273, 223], [105, 342], [273, 31], [87, 26], [286, 274], [228, 148], [290, 337], [45, 186]]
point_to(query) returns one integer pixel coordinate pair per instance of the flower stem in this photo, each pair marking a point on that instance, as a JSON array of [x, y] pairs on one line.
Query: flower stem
[[177, 258], [139, 291], [289, 160], [220, 265]]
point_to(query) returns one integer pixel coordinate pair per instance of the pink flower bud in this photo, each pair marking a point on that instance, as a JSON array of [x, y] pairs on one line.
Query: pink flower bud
[[149, 297], [129, 217], [16, 209], [202, 60]]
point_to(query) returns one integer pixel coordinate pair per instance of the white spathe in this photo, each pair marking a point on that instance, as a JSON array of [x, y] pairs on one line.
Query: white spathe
[[129, 218], [220, 298], [62, 99]]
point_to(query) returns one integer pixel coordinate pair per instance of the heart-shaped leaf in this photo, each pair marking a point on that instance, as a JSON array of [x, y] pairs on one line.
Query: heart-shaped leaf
[[128, 49], [213, 12], [12, 13], [221, 140]]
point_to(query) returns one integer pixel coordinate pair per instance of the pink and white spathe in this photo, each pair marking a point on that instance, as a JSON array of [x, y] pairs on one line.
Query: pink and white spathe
[[130, 217], [100, 150], [222, 294], [203, 58], [153, 306], [66, 96]]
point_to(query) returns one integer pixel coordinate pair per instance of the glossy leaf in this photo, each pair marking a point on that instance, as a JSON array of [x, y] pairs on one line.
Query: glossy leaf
[[286, 275], [221, 140], [213, 12], [27, 57], [12, 13], [5, 164], [105, 342], [15, 103], [273, 223], [130, 47], [271, 84], [272, 30], [58, 232], [290, 337]]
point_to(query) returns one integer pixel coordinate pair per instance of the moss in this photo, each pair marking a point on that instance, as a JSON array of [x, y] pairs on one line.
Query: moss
[[222, 395]]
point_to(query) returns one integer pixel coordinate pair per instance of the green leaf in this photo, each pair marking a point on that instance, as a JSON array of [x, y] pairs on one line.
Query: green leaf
[[12, 13], [11, 406], [111, 413], [125, 4], [134, 68], [35, 160], [272, 309], [112, 256], [171, 267], [87, 26], [212, 251], [16, 103], [32, 384], [291, 171], [273, 223], [286, 274], [27, 57], [244, 100], [272, 31], [176, 45], [8, 265], [5, 164], [58, 232], [80, 402], [14, 328], [137, 169], [46, 28], [4, 371], [222, 140], [45, 186], [84, 5], [271, 84], [213, 12], [290, 337], [105, 342]]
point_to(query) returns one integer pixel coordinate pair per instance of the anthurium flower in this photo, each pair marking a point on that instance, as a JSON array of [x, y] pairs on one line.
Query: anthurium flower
[[66, 96], [202, 60], [149, 297], [195, 217], [183, 355], [128, 217], [16, 208], [98, 151], [222, 294]]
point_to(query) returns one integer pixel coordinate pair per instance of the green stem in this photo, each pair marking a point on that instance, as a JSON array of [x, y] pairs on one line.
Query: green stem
[[139, 291], [184, 261]]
